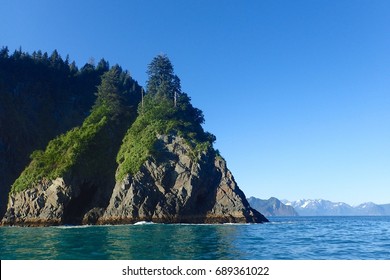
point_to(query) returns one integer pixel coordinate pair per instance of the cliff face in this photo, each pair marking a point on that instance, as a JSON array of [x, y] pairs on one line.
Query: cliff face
[[58, 202], [178, 189], [174, 187], [42, 205], [41, 97], [123, 164]]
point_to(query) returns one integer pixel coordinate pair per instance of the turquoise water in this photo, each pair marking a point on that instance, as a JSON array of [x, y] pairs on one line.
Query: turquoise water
[[283, 238]]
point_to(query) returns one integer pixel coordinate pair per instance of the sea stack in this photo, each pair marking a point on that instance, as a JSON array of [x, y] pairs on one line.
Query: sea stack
[[176, 188], [171, 189], [126, 164]]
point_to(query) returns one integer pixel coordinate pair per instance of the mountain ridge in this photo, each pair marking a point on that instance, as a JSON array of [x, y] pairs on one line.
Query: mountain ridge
[[271, 207], [322, 207]]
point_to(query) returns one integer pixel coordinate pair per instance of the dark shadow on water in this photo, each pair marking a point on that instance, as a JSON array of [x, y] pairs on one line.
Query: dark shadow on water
[[140, 242], [173, 242]]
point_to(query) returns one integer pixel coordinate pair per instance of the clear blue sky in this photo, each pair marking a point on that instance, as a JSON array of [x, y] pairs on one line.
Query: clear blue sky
[[297, 92]]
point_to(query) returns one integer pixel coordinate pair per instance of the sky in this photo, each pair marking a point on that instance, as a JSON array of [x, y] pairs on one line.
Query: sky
[[296, 92]]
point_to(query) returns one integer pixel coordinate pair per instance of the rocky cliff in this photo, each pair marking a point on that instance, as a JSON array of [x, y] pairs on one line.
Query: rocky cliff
[[179, 189], [131, 161], [43, 204], [41, 96], [174, 187]]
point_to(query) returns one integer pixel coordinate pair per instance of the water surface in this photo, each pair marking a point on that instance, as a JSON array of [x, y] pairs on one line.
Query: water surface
[[283, 238]]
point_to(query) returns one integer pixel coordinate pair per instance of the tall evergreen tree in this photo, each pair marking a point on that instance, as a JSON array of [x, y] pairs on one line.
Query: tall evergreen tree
[[165, 110], [110, 92], [162, 80], [103, 65], [4, 53], [117, 93], [164, 95]]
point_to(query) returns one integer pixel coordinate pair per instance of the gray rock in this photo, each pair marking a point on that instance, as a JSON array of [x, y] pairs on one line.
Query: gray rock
[[176, 188], [43, 204]]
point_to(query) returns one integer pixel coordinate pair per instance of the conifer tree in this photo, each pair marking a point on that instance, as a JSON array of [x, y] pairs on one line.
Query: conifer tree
[[164, 110], [117, 93], [103, 65], [4, 53], [164, 94], [162, 80]]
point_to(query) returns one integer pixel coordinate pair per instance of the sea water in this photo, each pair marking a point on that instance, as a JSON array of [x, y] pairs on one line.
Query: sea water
[[290, 238]]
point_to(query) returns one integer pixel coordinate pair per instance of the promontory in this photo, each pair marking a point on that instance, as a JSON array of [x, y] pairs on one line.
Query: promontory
[[138, 155]]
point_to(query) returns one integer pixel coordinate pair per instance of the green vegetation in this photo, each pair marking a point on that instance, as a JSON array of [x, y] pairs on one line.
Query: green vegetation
[[59, 157], [164, 110], [121, 129], [162, 79], [42, 95], [112, 111]]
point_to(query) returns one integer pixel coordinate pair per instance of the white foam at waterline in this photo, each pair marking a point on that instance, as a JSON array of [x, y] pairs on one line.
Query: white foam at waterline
[[72, 226], [143, 223]]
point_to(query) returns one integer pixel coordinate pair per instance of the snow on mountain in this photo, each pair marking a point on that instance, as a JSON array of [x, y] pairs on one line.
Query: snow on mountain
[[370, 208], [321, 207]]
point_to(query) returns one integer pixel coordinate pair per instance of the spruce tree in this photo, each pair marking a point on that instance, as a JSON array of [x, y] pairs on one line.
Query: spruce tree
[[159, 114], [117, 93], [4, 53], [162, 80]]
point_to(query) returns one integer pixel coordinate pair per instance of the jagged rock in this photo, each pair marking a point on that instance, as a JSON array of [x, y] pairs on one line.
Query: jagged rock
[[176, 188], [44, 204]]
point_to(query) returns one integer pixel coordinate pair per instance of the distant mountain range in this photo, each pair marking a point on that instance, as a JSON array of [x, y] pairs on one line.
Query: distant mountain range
[[321, 207], [316, 207], [271, 207]]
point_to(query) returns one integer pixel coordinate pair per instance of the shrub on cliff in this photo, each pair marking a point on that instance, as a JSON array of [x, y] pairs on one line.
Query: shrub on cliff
[[165, 109], [86, 146]]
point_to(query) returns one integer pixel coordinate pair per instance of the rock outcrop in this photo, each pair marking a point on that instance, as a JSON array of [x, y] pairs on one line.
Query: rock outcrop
[[174, 187], [117, 167], [43, 204], [178, 189]]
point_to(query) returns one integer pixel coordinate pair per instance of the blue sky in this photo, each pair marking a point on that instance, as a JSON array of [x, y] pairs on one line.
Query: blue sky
[[297, 92]]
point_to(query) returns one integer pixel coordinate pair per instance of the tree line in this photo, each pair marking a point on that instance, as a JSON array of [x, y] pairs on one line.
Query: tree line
[[55, 116]]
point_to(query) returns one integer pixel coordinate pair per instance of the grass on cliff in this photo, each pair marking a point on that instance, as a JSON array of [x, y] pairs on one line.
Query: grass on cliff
[[88, 148], [61, 154], [158, 116]]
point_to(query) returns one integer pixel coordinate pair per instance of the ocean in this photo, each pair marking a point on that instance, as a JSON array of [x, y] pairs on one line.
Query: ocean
[[284, 238]]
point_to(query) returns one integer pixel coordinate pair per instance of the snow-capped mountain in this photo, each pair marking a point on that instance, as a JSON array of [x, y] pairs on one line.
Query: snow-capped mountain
[[370, 208], [321, 207]]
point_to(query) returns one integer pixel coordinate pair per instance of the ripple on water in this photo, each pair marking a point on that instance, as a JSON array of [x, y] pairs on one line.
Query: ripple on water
[[282, 238]]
